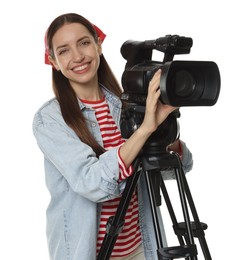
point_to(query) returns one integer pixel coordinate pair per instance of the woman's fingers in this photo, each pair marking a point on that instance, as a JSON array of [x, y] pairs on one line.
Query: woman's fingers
[[154, 84]]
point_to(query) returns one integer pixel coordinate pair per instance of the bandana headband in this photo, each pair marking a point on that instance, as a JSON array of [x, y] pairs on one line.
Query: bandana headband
[[100, 34]]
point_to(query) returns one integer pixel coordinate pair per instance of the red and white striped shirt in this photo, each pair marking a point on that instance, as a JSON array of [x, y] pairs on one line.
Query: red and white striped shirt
[[129, 238]]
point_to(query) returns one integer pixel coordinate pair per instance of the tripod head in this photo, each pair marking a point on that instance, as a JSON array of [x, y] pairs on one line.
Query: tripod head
[[166, 134]]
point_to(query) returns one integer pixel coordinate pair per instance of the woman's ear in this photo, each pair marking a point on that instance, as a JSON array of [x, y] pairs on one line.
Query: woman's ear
[[99, 46], [53, 62]]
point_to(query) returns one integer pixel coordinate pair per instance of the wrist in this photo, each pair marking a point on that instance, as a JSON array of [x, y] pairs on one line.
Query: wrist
[[144, 132]]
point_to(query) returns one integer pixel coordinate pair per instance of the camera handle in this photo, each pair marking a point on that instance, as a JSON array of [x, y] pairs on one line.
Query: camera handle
[[185, 231]]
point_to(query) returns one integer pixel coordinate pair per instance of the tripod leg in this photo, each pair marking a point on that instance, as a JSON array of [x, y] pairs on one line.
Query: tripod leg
[[166, 253], [151, 195], [170, 209], [180, 184], [115, 223], [197, 227], [199, 230], [181, 187]]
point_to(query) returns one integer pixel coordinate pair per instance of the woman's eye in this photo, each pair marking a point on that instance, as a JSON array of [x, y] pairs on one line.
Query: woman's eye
[[62, 51], [85, 43]]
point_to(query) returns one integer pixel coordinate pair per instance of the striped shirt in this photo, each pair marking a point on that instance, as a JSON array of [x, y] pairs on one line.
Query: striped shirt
[[129, 238]]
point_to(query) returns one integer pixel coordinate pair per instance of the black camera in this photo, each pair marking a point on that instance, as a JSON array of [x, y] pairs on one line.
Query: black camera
[[183, 83]]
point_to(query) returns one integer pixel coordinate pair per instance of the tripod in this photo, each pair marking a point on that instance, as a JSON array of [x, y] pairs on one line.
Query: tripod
[[154, 159], [185, 231]]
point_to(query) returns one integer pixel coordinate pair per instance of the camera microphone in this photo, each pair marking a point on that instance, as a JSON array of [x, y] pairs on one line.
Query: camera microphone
[[179, 44]]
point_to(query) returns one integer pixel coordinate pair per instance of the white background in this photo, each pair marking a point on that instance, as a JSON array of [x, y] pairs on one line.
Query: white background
[[212, 133]]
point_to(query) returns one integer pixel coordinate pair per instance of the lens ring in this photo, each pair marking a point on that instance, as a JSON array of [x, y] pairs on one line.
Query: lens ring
[[184, 83]]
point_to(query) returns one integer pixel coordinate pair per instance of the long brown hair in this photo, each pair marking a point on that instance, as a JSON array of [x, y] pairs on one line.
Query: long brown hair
[[63, 91]]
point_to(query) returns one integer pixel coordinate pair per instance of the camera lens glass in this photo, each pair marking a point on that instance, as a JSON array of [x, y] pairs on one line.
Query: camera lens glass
[[185, 83]]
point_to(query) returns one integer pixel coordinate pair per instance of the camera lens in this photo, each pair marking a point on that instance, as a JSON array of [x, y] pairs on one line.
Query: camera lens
[[185, 83]]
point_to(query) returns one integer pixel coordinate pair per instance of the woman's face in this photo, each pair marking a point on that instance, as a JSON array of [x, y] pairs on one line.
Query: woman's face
[[76, 54]]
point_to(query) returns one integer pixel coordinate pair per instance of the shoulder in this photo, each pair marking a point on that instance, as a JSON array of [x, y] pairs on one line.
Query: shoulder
[[48, 112], [111, 98], [49, 105]]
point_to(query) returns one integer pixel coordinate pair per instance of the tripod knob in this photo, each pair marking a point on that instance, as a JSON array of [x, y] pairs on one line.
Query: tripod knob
[[168, 253], [198, 231]]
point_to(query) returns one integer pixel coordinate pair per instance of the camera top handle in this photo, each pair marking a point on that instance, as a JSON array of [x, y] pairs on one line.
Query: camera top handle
[[138, 51]]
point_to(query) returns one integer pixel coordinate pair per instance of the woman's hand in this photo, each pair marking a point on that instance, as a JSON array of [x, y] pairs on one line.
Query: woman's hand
[[156, 112]]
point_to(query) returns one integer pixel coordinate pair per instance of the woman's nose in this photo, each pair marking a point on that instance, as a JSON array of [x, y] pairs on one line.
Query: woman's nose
[[78, 56]]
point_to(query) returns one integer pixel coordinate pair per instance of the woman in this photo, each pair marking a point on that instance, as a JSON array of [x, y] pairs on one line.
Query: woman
[[86, 160]]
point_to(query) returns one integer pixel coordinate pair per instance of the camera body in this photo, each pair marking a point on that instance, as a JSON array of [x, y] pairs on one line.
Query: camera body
[[183, 83]]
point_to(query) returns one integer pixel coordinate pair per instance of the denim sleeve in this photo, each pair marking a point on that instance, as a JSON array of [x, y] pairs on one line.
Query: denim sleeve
[[187, 163], [187, 159], [91, 177]]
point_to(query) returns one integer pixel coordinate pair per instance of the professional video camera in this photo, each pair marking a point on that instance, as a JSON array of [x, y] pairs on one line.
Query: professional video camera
[[183, 83]]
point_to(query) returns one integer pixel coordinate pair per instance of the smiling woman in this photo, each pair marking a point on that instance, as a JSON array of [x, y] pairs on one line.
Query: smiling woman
[[87, 161], [77, 58]]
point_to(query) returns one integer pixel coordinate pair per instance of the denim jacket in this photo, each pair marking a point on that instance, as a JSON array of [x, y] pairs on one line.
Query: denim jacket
[[78, 182]]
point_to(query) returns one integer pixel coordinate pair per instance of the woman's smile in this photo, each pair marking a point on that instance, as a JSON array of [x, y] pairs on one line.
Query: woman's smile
[[82, 68]]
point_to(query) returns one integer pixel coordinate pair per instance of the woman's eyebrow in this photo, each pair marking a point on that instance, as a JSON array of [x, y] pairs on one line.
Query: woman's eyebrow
[[65, 45]]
